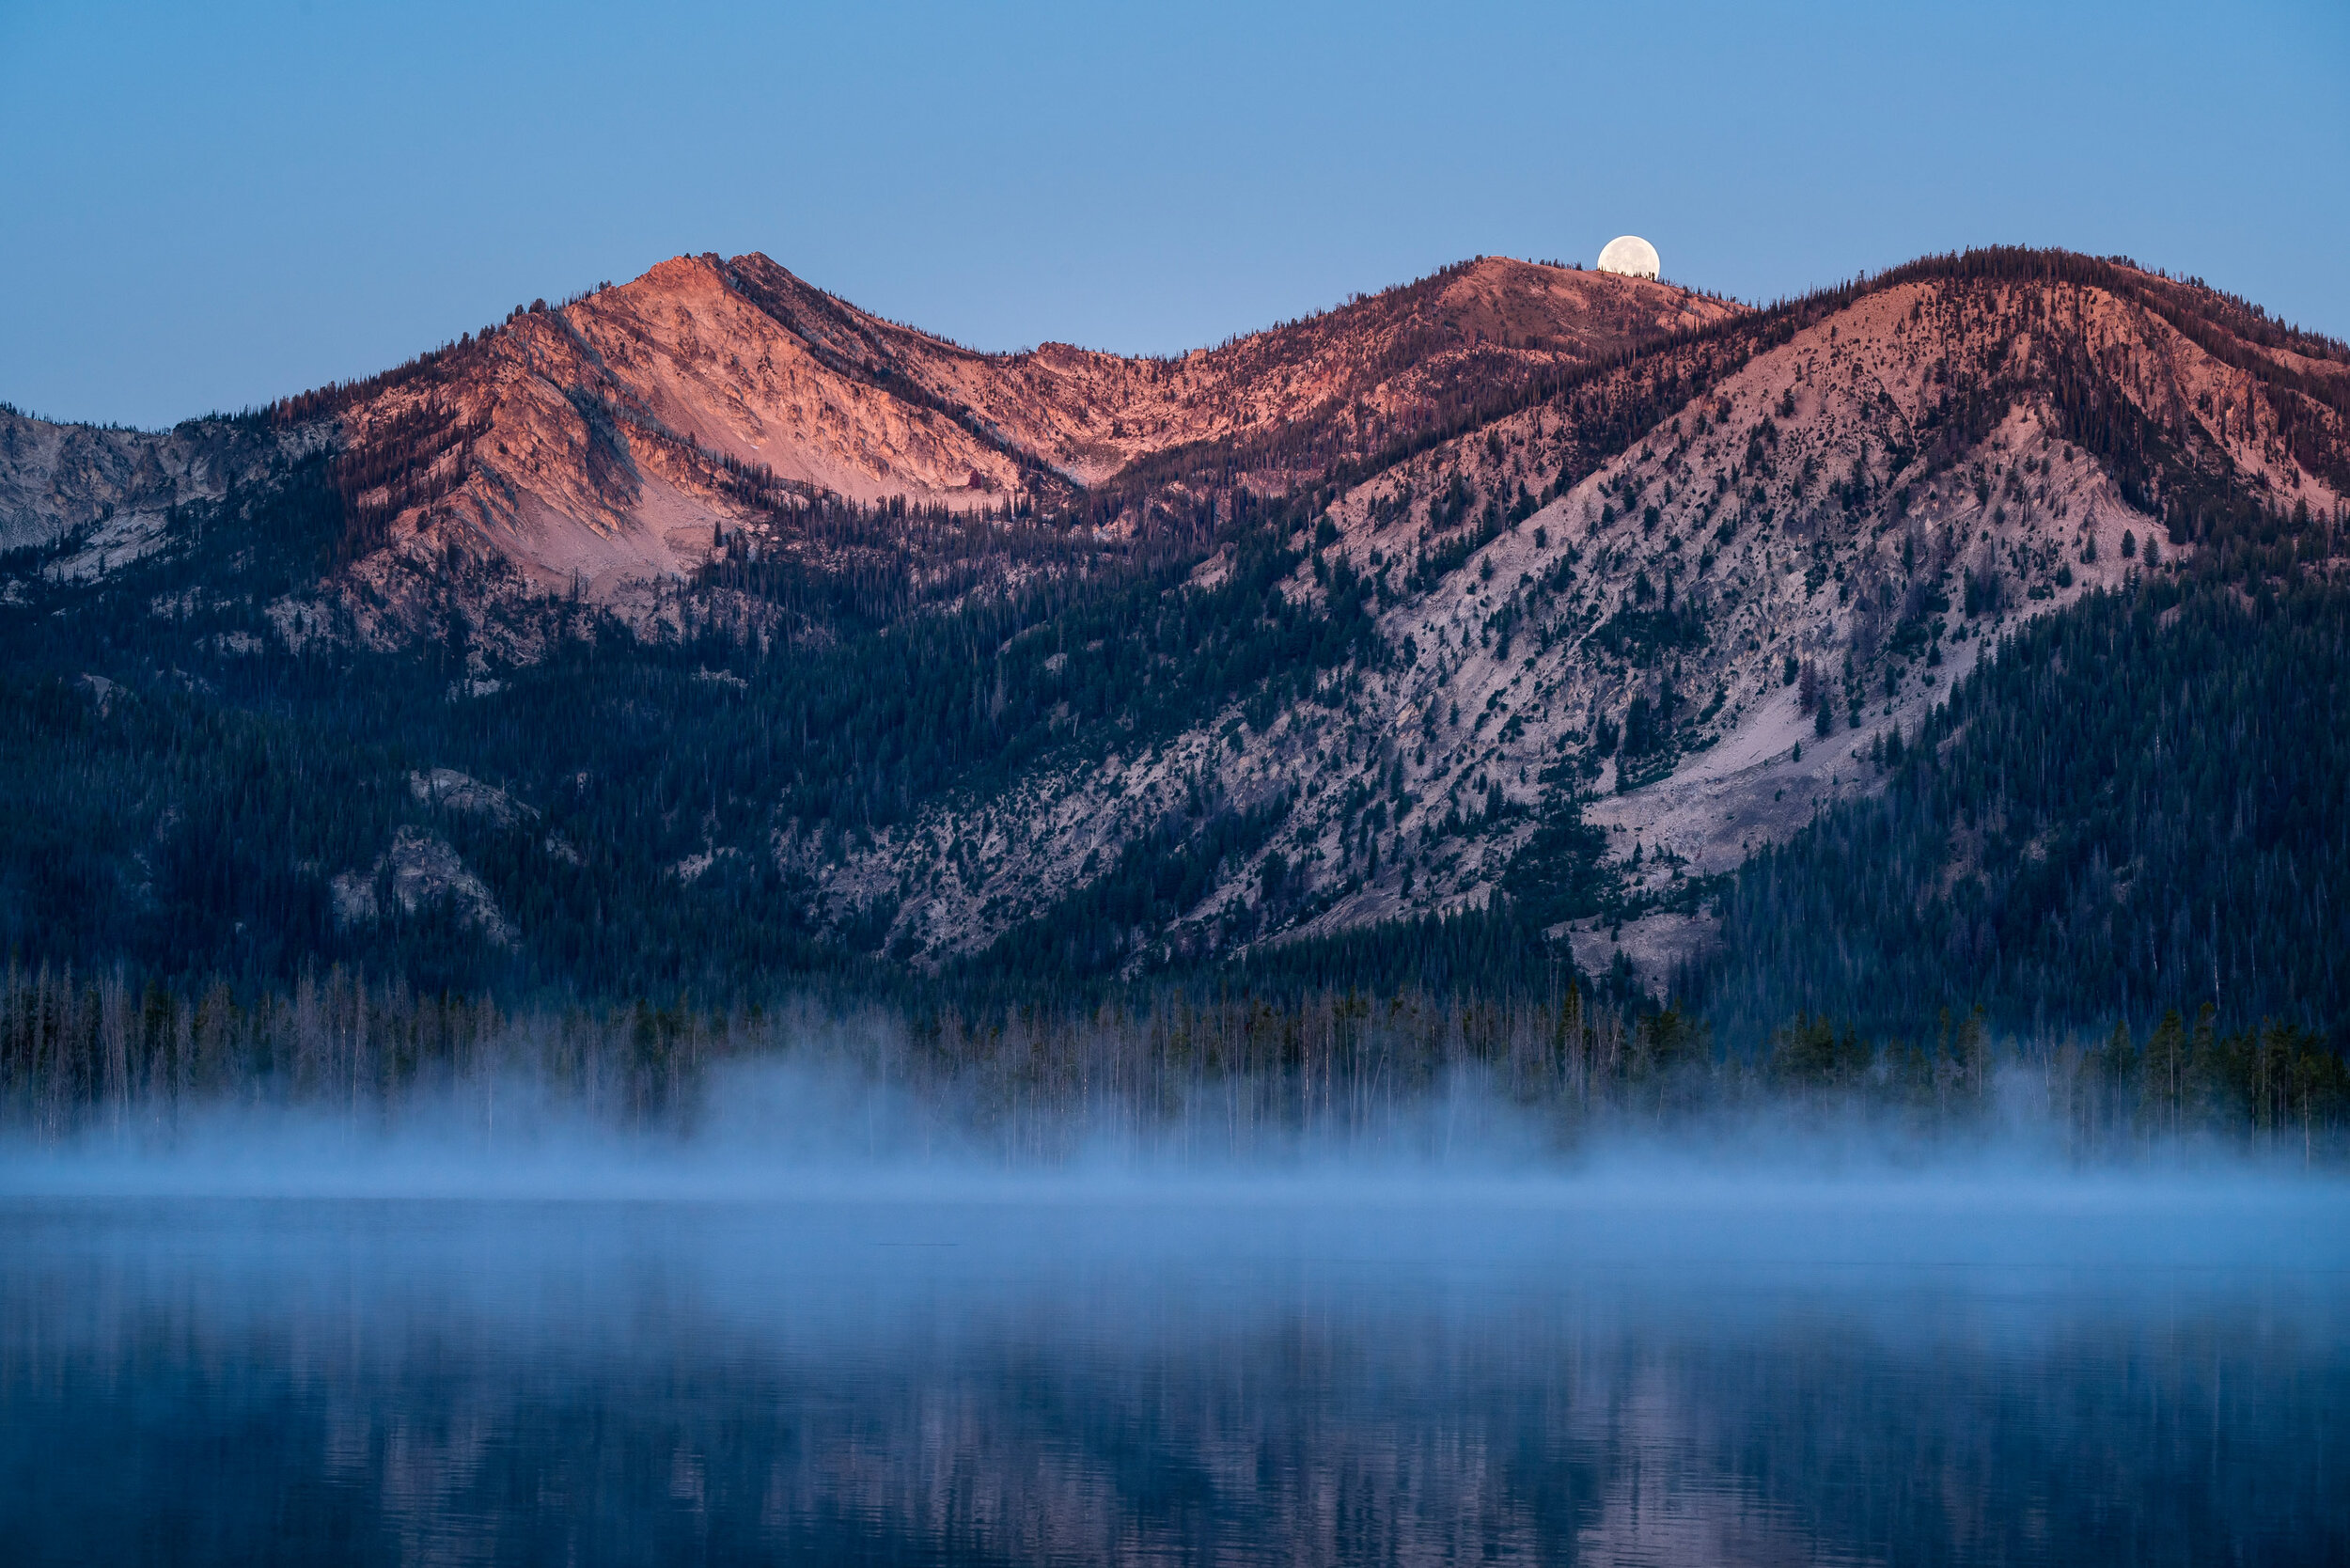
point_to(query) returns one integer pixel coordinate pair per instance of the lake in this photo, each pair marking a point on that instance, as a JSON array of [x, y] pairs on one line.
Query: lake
[[1871, 1370]]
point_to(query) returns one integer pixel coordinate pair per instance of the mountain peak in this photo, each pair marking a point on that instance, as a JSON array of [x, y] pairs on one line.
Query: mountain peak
[[607, 445]]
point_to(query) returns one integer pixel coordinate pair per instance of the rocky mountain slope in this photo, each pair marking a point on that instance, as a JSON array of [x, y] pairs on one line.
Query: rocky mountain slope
[[780, 628], [105, 495], [1831, 519], [607, 447]]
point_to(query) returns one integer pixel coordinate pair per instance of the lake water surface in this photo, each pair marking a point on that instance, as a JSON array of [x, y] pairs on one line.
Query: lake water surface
[[1912, 1372]]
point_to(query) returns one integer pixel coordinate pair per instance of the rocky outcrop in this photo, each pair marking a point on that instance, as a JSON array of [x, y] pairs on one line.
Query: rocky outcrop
[[451, 791], [105, 493], [420, 869]]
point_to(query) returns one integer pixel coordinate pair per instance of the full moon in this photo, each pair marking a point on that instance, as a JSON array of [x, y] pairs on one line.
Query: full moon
[[1630, 254]]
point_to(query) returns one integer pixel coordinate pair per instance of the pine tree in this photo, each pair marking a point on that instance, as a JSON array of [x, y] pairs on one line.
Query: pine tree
[[2163, 1079]]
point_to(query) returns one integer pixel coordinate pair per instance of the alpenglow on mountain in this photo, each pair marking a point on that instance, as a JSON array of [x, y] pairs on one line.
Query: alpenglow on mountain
[[1966, 624]]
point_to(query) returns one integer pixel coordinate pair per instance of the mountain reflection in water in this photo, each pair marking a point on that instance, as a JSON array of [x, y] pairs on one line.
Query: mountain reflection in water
[[2150, 1379]]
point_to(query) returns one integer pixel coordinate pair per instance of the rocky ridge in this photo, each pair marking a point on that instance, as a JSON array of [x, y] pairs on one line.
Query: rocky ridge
[[607, 450], [1801, 535]]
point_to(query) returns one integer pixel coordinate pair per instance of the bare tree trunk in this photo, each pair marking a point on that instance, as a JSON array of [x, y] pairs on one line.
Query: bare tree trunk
[[114, 1028]]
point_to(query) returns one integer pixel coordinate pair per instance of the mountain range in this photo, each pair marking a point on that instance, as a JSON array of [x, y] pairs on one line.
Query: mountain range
[[706, 631]]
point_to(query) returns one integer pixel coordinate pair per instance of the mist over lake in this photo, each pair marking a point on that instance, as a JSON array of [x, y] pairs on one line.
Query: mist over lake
[[1647, 1357]]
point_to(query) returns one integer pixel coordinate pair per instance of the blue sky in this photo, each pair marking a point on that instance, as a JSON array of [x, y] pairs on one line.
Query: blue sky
[[204, 207]]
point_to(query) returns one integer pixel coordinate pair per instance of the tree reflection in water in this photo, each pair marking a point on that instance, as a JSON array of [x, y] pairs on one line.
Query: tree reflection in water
[[448, 1382]]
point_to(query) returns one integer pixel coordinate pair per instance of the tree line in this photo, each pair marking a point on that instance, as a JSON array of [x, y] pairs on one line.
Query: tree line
[[84, 1053]]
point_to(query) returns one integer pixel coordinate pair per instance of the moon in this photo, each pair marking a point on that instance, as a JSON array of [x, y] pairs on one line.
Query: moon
[[1630, 254]]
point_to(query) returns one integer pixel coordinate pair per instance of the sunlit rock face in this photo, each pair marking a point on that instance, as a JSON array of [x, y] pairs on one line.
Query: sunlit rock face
[[1631, 255], [606, 447]]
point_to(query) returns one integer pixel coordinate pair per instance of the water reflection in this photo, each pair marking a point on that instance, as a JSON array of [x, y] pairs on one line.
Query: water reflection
[[1171, 1383]]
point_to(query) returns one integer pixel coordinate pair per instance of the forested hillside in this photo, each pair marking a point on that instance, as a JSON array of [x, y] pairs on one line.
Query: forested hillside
[[2141, 804], [1967, 636]]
